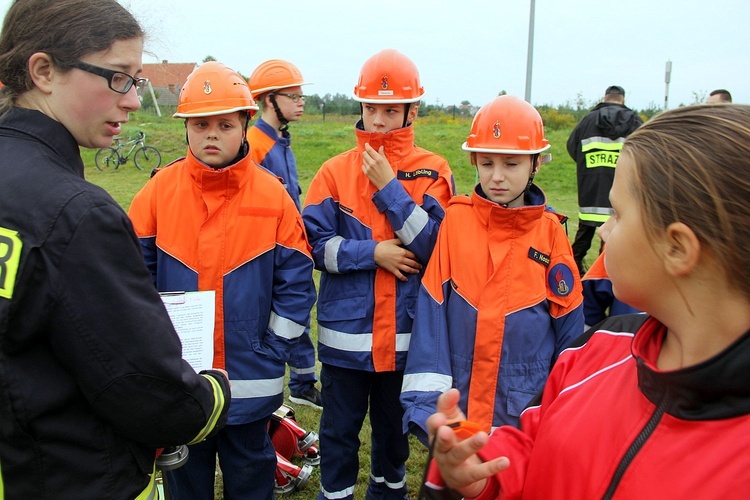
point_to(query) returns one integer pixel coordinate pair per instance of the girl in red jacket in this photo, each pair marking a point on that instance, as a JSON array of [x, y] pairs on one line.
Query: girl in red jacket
[[645, 406]]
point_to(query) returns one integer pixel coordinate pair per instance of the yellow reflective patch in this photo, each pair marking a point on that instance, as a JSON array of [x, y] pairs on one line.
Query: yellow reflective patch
[[10, 257], [602, 159]]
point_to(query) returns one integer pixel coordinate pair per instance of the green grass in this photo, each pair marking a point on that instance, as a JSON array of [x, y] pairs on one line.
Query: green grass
[[314, 141]]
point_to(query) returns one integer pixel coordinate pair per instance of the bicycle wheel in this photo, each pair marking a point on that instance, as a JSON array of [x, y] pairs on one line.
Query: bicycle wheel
[[147, 157], [107, 159]]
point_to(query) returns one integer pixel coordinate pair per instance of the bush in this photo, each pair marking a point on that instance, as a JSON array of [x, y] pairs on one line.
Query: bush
[[554, 120]]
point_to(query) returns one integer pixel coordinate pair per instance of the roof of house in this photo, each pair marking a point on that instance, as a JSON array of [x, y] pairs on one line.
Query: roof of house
[[165, 73]]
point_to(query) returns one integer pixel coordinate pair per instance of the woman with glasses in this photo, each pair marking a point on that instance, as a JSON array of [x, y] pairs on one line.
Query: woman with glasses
[[92, 382]]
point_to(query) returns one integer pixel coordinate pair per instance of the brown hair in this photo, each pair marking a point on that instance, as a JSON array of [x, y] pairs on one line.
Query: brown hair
[[723, 94], [692, 165], [66, 30]]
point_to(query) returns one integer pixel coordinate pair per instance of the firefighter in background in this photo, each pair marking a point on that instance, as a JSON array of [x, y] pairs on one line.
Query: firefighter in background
[[276, 86], [92, 381], [217, 221], [499, 299], [372, 215], [595, 145]]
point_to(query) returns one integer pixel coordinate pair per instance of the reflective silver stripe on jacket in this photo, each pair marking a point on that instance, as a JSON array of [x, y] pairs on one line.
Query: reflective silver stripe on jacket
[[331, 254], [284, 327], [426, 382], [262, 388], [355, 342], [413, 225]]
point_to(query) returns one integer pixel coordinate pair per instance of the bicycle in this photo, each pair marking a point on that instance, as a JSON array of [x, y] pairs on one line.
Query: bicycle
[[111, 158]]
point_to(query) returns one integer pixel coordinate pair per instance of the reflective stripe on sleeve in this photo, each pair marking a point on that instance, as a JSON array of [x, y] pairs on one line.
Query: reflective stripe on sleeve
[[413, 225], [426, 382], [284, 327], [219, 402], [331, 254]]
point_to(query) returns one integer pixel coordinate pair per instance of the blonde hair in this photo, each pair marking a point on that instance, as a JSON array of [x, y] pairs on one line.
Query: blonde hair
[[692, 165]]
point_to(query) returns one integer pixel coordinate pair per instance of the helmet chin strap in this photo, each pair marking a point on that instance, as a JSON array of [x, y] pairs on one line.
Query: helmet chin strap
[[279, 115], [244, 146], [406, 113]]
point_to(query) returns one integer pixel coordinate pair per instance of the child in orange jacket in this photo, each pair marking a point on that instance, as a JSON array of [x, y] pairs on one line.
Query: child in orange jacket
[[215, 220], [644, 406], [499, 299]]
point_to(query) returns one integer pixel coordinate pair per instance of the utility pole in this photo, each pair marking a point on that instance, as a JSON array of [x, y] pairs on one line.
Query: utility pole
[[530, 53], [667, 78], [153, 98]]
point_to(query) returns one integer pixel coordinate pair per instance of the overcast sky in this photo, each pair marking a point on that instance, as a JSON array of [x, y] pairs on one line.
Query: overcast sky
[[472, 49]]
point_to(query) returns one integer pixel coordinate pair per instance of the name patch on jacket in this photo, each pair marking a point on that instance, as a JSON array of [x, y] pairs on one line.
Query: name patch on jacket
[[10, 258], [538, 256], [560, 280], [420, 172]]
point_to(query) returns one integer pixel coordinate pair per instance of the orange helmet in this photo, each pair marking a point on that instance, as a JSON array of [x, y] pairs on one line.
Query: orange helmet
[[214, 89], [274, 74], [507, 125], [388, 77]]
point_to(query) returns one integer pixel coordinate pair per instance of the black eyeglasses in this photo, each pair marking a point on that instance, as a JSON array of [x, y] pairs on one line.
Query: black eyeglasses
[[293, 97], [118, 81]]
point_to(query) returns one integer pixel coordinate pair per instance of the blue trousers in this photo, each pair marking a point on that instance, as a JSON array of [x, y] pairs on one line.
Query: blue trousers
[[302, 365], [247, 459], [346, 396]]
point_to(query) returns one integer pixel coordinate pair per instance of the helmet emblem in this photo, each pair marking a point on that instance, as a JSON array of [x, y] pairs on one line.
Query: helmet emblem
[[207, 87], [384, 82], [496, 130]]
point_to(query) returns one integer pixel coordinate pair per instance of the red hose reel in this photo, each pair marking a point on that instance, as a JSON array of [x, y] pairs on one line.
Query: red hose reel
[[290, 441]]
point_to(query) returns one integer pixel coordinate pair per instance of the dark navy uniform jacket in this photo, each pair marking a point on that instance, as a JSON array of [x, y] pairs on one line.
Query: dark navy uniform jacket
[[91, 376]]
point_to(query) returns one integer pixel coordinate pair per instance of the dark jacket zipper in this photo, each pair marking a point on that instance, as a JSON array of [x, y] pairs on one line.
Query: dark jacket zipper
[[635, 447]]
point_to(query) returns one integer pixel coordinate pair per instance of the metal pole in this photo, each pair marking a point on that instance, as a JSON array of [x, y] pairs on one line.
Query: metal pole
[[153, 98], [530, 53], [667, 78]]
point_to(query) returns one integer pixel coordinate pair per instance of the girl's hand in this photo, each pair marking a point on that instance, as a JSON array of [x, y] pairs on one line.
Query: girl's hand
[[460, 466]]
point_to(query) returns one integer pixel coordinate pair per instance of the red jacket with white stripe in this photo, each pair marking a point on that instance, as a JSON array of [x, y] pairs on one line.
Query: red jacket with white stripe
[[609, 424]]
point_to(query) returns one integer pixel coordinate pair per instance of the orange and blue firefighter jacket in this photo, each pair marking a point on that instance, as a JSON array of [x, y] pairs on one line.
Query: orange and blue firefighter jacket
[[275, 154], [364, 313], [599, 300], [236, 231], [498, 303]]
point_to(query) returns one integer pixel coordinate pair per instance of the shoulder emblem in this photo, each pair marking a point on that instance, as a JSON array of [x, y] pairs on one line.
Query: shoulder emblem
[[560, 280], [10, 258]]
